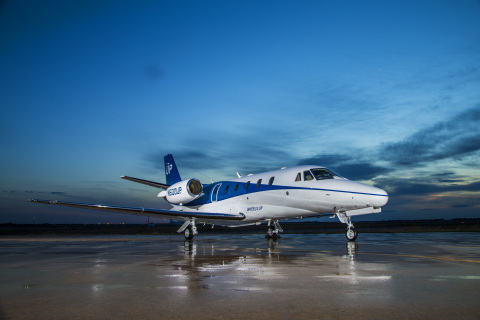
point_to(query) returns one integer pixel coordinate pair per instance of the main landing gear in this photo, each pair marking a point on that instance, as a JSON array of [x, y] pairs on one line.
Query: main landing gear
[[273, 229], [189, 229], [351, 233]]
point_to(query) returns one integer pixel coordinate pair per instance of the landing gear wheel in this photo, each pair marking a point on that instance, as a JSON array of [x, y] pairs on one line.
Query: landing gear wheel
[[351, 234], [188, 233], [271, 234]]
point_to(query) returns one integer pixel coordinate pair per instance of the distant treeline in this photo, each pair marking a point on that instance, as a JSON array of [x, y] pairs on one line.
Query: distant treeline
[[455, 225]]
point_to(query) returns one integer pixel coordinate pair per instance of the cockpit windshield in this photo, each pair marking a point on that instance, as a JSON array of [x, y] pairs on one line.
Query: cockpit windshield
[[323, 173]]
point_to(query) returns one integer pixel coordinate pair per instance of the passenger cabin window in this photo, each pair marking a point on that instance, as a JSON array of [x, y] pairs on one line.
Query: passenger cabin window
[[226, 188], [236, 186], [259, 182], [247, 185], [307, 175], [299, 177], [322, 173], [270, 182]]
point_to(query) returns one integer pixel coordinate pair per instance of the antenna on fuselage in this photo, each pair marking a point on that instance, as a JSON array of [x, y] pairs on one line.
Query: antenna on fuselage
[[239, 175]]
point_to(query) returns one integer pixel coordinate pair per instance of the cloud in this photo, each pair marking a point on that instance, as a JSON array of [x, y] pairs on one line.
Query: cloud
[[361, 171], [327, 160], [220, 155], [194, 159], [224, 161], [425, 186], [454, 138], [37, 192], [462, 205]]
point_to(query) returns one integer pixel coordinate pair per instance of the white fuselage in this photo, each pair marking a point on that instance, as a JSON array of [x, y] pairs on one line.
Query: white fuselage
[[286, 194]]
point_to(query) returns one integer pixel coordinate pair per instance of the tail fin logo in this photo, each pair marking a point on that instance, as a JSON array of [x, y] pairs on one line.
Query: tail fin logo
[[168, 168], [171, 172]]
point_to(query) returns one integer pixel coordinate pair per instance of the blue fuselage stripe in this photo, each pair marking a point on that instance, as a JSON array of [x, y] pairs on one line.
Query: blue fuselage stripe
[[252, 188]]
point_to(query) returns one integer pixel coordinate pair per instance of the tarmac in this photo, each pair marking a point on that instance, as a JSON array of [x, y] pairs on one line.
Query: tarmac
[[237, 276]]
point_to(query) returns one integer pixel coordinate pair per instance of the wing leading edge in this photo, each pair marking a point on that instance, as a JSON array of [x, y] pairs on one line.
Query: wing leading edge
[[146, 211]]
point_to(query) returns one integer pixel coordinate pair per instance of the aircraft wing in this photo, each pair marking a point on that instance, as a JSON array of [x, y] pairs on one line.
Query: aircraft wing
[[148, 183], [161, 213]]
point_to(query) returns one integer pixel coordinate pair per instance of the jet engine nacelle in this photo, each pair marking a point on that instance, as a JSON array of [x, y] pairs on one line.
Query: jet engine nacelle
[[183, 191]]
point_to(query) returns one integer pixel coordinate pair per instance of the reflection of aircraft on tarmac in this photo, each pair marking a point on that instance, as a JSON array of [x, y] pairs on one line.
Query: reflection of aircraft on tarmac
[[288, 193]]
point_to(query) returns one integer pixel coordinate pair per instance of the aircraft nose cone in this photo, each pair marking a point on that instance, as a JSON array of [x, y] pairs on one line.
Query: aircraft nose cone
[[381, 197], [376, 197]]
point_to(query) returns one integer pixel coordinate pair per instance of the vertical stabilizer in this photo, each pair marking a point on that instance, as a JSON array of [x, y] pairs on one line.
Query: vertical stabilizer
[[171, 171]]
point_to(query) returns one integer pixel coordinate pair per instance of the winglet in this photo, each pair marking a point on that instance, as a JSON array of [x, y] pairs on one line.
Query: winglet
[[171, 172]]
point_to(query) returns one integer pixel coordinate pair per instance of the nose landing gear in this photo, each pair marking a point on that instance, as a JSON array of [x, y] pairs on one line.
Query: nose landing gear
[[351, 233]]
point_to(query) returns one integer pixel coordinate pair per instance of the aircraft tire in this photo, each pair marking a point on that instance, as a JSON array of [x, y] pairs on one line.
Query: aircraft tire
[[274, 236], [351, 234], [188, 233]]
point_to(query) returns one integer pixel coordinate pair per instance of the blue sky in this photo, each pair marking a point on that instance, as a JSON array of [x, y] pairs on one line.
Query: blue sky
[[385, 92]]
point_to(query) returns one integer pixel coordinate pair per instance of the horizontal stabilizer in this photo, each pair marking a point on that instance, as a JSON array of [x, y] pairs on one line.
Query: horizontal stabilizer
[[146, 211], [148, 183]]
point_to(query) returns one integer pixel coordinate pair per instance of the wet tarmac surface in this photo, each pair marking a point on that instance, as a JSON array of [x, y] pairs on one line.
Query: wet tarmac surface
[[399, 276]]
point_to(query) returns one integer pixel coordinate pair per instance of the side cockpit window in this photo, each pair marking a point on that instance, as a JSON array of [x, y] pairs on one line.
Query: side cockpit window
[[299, 177], [323, 173], [307, 175]]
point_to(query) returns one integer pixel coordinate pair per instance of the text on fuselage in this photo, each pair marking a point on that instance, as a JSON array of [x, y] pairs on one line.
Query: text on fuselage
[[255, 208], [175, 191]]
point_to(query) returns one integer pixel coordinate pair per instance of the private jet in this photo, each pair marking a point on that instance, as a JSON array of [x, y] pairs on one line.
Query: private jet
[[284, 194]]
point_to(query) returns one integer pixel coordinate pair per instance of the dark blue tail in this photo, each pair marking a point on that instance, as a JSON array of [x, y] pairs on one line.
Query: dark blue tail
[[171, 171]]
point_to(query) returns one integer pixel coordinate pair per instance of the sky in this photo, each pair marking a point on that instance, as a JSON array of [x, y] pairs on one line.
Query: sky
[[382, 92]]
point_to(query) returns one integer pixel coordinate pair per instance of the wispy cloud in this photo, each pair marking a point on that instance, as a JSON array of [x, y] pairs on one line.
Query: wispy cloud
[[36, 192], [227, 152], [454, 138], [423, 186]]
